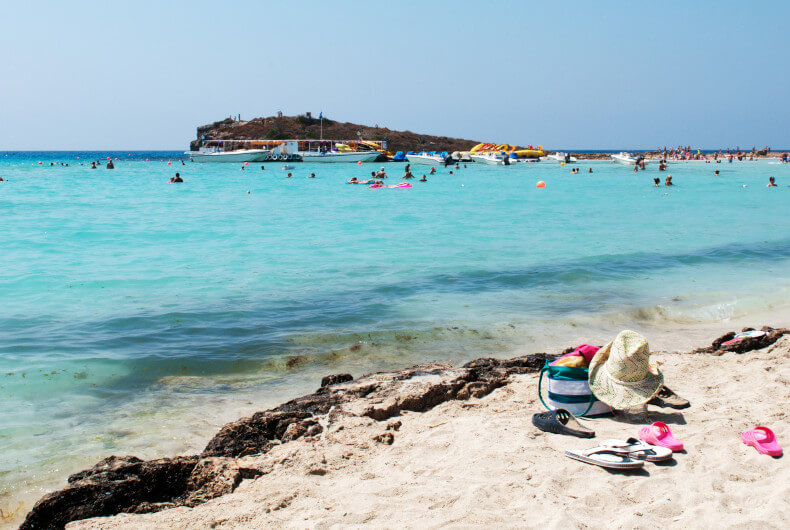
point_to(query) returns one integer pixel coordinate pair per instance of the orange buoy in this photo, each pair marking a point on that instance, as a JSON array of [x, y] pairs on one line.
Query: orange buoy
[[246, 163], [359, 163], [541, 184], [39, 163], [168, 163]]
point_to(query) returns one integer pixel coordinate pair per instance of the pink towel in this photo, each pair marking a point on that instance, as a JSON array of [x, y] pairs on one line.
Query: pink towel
[[587, 351]]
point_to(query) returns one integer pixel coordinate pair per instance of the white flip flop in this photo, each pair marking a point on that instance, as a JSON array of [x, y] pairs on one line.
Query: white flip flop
[[605, 457], [639, 450]]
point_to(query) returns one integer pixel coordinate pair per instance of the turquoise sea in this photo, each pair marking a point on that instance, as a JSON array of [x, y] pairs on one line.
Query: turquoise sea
[[137, 316]]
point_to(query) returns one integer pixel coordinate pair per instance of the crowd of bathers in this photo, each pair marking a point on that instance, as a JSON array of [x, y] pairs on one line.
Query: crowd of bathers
[[376, 177]]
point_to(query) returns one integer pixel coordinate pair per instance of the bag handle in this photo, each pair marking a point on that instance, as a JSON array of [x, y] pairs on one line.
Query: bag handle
[[540, 392]]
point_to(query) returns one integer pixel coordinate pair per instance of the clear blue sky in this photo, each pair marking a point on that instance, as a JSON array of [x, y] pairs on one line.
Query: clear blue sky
[[136, 75]]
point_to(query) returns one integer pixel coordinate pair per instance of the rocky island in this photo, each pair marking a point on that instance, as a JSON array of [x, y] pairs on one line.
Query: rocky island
[[307, 127]]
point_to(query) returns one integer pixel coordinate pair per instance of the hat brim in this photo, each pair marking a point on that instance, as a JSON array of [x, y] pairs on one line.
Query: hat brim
[[620, 395]]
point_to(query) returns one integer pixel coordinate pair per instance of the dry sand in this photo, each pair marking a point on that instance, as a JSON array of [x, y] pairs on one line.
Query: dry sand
[[481, 463]]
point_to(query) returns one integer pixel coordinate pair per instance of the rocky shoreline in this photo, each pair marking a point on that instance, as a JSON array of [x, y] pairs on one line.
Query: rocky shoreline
[[129, 485]]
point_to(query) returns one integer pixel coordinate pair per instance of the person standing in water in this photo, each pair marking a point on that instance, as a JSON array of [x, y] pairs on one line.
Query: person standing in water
[[771, 183], [668, 181], [656, 182]]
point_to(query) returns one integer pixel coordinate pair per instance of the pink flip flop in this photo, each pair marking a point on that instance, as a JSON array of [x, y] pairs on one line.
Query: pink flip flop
[[660, 435], [762, 439]]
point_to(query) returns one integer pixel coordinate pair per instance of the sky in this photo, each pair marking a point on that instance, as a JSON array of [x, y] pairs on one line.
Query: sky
[[594, 75]]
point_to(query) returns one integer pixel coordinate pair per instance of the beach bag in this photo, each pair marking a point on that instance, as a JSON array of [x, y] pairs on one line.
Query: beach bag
[[568, 389]]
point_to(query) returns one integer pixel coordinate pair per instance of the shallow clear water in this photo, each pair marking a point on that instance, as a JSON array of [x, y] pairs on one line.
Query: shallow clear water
[[136, 315]]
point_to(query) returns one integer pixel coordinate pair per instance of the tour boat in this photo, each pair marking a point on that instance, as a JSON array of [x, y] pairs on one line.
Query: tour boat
[[339, 156], [215, 154]]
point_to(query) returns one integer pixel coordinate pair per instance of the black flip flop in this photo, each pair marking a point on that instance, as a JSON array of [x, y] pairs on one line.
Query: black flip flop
[[561, 421], [667, 398]]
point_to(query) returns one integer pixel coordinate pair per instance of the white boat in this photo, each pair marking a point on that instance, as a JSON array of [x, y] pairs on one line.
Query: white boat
[[492, 158], [624, 157], [339, 156], [431, 159], [559, 156], [214, 154]]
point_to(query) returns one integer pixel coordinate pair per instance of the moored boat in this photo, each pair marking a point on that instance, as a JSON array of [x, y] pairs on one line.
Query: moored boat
[[215, 154], [338, 156], [425, 157], [624, 157], [560, 156], [491, 158]]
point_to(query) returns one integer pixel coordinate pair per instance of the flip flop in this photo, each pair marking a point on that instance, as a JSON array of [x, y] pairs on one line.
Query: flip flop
[[561, 421], [763, 439], [660, 435], [667, 398], [640, 450], [605, 457]]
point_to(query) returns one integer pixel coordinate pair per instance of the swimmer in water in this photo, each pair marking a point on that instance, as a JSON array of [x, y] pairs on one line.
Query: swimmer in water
[[668, 181], [182, 163], [589, 170], [771, 183], [424, 179], [408, 175], [263, 168], [289, 175], [432, 171], [457, 166], [93, 165], [716, 173], [464, 166], [656, 182], [110, 165], [177, 178], [312, 176], [381, 174], [451, 172], [353, 180]]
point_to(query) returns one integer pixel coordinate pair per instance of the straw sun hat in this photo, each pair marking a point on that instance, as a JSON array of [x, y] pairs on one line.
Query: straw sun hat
[[620, 373]]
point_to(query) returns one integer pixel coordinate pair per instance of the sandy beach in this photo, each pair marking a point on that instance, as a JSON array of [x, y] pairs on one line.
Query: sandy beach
[[478, 461]]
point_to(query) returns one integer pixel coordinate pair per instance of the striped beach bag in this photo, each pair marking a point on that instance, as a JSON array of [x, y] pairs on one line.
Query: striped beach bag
[[569, 390]]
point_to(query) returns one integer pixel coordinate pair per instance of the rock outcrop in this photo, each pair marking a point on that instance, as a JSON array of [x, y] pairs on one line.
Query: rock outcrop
[[718, 347], [130, 485]]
